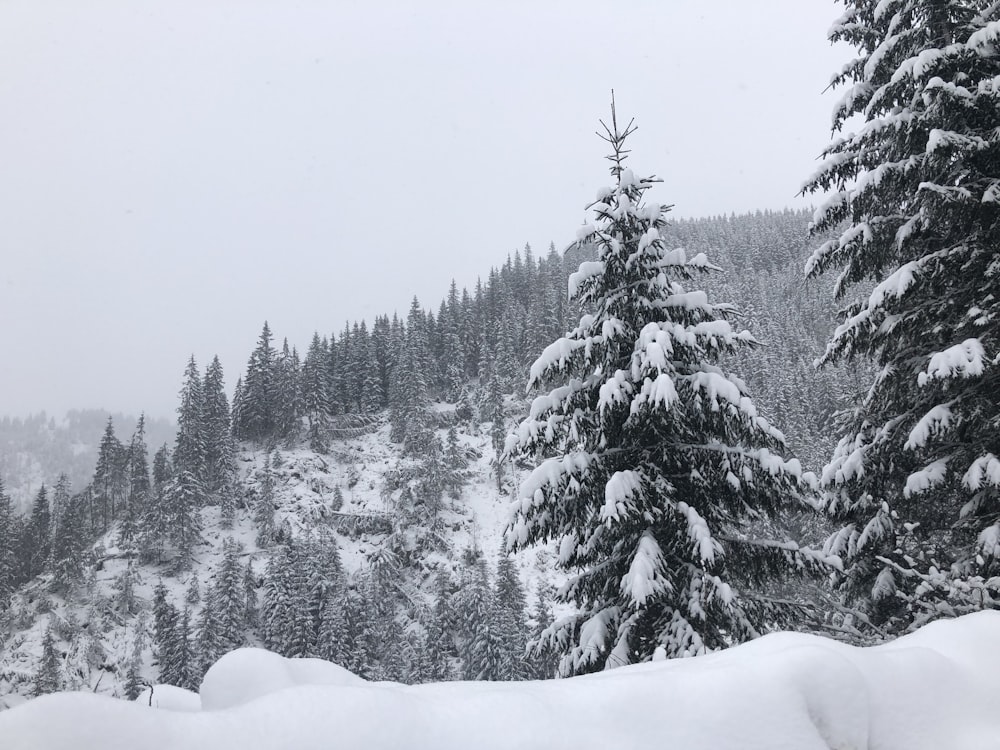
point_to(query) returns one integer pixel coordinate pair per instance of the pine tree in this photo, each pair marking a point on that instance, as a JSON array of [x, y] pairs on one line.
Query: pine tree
[[915, 478], [133, 675], [38, 535], [190, 452], [183, 499], [69, 543], [409, 410], [316, 394], [652, 460], [48, 678], [9, 536], [109, 476], [498, 429], [138, 487], [258, 406], [510, 621], [263, 511]]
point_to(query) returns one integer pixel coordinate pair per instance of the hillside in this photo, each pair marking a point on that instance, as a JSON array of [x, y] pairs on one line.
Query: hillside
[[97, 627], [348, 448]]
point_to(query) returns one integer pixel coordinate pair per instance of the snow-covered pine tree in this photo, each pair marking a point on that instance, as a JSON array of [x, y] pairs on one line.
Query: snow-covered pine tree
[[9, 535], [316, 394], [48, 676], [652, 460], [109, 480], [257, 412], [189, 446], [915, 479], [510, 621], [37, 541], [138, 487]]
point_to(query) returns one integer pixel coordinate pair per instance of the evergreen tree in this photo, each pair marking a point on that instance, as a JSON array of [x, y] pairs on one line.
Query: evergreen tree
[[653, 461], [133, 675], [9, 537], [37, 541], [183, 499], [409, 410], [258, 406], [510, 621], [263, 512], [316, 394], [915, 478], [48, 678], [109, 476], [69, 543], [139, 487], [228, 602], [498, 429], [190, 451]]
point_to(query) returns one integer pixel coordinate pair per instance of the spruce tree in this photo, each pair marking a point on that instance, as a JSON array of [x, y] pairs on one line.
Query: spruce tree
[[915, 479], [8, 549], [69, 541], [48, 677], [190, 450], [38, 535], [510, 621], [109, 481], [652, 461], [138, 488], [258, 405]]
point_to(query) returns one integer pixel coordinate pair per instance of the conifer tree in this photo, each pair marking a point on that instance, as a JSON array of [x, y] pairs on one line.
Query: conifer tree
[[38, 535], [316, 394], [259, 398], [510, 621], [133, 675], [138, 488], [109, 476], [48, 677], [915, 478], [652, 460], [263, 511], [9, 538], [183, 499], [190, 451]]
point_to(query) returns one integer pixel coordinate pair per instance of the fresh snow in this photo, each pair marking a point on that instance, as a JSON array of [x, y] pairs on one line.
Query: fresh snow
[[937, 688]]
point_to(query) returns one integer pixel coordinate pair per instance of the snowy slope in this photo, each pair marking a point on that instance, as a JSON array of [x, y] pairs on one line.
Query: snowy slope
[[95, 637], [938, 688]]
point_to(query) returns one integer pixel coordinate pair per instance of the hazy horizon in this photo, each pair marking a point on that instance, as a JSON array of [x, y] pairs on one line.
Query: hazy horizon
[[177, 173]]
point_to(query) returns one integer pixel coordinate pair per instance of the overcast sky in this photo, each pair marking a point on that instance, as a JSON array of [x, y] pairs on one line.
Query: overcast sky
[[174, 172]]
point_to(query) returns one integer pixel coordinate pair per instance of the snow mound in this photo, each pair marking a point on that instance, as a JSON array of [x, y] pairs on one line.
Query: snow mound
[[937, 688], [248, 673], [170, 698]]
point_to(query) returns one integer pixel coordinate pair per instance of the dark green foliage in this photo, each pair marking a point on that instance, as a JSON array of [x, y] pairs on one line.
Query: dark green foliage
[[48, 677], [652, 462], [915, 481]]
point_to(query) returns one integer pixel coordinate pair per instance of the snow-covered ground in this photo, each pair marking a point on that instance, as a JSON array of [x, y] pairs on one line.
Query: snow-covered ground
[[938, 688], [95, 657]]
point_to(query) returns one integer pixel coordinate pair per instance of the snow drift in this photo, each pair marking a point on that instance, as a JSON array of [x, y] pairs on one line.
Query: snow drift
[[938, 688]]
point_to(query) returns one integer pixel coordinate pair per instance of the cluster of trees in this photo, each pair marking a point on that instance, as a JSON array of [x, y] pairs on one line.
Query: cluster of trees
[[475, 626], [58, 534], [149, 512], [401, 365]]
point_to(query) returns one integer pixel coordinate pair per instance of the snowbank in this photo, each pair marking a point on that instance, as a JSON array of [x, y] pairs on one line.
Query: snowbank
[[938, 688]]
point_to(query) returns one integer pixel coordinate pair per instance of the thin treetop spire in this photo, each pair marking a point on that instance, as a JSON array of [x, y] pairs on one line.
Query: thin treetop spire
[[616, 139]]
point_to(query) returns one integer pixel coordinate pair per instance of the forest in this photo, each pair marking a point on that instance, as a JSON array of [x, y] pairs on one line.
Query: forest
[[699, 431]]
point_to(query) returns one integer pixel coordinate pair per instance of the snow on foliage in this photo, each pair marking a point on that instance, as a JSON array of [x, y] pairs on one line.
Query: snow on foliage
[[916, 183], [935, 688], [649, 457]]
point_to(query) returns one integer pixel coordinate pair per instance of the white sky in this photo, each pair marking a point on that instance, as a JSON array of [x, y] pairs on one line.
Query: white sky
[[173, 172]]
